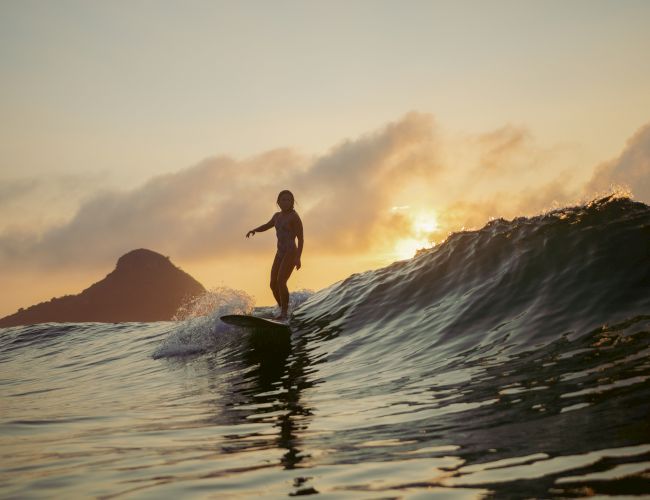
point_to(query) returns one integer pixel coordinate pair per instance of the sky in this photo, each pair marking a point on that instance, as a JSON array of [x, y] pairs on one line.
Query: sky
[[173, 125]]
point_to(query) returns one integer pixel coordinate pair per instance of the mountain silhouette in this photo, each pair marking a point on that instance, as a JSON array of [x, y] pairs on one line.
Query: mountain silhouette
[[144, 286]]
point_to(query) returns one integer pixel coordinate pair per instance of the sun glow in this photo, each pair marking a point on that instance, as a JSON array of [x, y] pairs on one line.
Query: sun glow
[[423, 224], [406, 248]]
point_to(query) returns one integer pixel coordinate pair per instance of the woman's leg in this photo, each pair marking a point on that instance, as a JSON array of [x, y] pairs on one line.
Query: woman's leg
[[274, 279], [286, 267]]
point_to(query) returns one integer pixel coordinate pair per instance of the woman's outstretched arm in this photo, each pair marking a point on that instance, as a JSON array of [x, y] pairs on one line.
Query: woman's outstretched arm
[[262, 228]]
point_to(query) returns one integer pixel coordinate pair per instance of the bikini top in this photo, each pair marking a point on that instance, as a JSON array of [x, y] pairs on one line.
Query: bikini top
[[285, 233]]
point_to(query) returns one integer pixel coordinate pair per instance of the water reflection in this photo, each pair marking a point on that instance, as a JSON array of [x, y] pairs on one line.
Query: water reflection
[[545, 420], [271, 374], [280, 365]]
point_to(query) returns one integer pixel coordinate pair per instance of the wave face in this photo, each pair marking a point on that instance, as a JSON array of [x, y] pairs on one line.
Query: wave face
[[507, 362], [511, 284]]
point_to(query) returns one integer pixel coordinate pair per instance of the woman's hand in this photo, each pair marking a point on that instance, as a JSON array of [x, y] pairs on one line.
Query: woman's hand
[[298, 264], [250, 233]]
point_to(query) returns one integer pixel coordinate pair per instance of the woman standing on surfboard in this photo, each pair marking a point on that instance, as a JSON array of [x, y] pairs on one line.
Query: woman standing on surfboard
[[288, 227]]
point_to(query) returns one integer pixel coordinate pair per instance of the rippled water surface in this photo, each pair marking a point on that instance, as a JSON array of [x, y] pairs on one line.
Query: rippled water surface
[[508, 362]]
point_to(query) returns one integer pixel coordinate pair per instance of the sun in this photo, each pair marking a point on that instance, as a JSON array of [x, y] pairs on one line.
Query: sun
[[423, 224]]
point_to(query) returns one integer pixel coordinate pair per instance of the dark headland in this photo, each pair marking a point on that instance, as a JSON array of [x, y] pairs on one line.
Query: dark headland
[[144, 286]]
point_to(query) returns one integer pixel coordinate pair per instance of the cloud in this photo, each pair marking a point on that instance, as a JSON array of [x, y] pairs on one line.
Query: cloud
[[15, 189], [40, 202], [353, 186], [204, 210], [473, 213], [631, 170], [344, 197], [501, 173], [500, 149], [189, 213]]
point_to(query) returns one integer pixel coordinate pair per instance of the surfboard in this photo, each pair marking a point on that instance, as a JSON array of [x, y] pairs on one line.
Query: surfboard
[[254, 322]]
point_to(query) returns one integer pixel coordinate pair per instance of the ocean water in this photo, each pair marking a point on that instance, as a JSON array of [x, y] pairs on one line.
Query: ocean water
[[508, 362]]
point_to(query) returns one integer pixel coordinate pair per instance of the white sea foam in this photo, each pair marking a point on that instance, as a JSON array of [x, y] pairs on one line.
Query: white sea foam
[[199, 328]]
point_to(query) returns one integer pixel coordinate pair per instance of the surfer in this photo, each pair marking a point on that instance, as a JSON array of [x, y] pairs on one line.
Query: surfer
[[288, 227]]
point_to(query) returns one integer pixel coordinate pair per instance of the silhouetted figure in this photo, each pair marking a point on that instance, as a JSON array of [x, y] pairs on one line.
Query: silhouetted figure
[[288, 227]]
